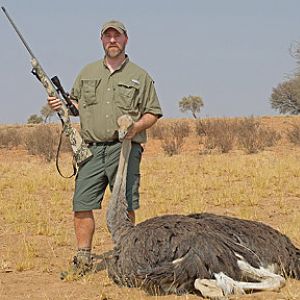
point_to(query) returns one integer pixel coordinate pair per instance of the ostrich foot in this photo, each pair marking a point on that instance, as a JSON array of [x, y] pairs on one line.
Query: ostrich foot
[[209, 289]]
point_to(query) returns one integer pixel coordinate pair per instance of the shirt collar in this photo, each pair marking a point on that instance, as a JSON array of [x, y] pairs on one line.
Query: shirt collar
[[125, 61]]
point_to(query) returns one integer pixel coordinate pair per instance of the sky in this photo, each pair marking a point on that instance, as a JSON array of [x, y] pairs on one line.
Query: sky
[[229, 52]]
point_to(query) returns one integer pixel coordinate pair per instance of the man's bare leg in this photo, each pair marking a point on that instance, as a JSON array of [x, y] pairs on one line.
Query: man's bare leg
[[82, 264], [84, 223]]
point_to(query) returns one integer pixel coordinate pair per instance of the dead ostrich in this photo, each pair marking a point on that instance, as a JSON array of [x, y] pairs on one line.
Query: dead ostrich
[[213, 256]]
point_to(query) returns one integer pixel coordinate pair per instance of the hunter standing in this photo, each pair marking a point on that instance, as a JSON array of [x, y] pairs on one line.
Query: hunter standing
[[103, 91]]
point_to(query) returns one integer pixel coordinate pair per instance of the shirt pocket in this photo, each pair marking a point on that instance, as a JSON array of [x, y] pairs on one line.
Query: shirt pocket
[[127, 94], [89, 89]]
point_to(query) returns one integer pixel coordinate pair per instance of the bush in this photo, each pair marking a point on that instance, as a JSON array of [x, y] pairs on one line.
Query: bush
[[10, 137], [173, 139], [161, 129], [172, 146], [270, 137], [293, 135], [41, 141], [157, 131], [35, 119], [217, 134], [253, 137]]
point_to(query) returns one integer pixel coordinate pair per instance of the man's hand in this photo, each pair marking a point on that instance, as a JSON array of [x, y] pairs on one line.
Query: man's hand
[[144, 123], [132, 131], [54, 103]]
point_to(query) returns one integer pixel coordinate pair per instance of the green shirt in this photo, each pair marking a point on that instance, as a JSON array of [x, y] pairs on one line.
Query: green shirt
[[104, 96]]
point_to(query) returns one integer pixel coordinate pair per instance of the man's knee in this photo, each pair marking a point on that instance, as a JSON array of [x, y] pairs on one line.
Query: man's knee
[[84, 214]]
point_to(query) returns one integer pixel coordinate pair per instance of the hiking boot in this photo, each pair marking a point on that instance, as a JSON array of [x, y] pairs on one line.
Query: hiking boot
[[80, 266]]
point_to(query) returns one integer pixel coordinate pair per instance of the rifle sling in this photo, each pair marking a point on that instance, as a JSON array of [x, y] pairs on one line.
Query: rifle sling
[[57, 158]]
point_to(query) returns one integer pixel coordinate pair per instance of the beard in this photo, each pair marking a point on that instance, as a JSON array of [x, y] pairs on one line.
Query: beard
[[114, 51]]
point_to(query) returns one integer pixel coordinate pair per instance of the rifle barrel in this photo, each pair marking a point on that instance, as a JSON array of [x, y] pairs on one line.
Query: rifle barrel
[[17, 31]]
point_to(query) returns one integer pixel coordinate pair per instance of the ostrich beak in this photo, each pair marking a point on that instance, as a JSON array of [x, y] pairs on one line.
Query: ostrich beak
[[124, 122]]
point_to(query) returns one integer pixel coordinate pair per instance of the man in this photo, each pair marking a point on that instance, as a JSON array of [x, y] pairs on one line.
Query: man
[[103, 91]]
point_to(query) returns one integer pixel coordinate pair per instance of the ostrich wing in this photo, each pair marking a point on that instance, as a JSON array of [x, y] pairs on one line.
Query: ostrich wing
[[273, 248]]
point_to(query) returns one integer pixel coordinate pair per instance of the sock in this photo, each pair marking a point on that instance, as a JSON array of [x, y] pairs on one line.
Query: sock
[[84, 254]]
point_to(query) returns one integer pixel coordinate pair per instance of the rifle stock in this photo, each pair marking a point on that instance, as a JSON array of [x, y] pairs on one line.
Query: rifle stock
[[80, 149]]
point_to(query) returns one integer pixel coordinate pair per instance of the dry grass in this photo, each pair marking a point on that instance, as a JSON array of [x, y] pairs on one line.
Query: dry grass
[[36, 230]]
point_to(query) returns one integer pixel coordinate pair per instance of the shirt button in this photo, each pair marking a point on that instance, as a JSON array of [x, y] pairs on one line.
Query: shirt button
[[107, 116], [108, 89], [108, 130], [107, 102]]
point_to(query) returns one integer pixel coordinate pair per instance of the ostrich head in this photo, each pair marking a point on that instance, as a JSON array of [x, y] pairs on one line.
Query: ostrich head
[[124, 123]]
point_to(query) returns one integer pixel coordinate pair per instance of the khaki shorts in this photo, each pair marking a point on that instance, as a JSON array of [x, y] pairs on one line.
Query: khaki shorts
[[100, 171]]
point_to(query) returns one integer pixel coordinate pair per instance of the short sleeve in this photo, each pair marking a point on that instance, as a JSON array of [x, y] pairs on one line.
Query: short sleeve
[[150, 102], [76, 89]]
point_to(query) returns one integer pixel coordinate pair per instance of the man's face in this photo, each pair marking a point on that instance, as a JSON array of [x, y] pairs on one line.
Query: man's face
[[114, 42]]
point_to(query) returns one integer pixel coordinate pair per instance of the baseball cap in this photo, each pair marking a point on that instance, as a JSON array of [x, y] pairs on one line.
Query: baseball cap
[[114, 24]]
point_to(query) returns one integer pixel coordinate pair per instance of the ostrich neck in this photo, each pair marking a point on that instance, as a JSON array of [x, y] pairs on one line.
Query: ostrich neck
[[117, 217]]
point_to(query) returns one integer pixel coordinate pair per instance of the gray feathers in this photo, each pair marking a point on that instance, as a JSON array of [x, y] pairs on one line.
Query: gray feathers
[[167, 254]]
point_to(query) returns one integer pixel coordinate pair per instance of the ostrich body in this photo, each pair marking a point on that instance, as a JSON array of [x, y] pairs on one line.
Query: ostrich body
[[199, 253]]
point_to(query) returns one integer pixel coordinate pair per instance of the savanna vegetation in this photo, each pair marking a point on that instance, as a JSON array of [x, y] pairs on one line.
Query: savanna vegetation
[[244, 167]]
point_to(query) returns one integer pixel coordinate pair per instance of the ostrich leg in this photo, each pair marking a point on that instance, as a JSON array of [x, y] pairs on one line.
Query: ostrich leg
[[224, 285]]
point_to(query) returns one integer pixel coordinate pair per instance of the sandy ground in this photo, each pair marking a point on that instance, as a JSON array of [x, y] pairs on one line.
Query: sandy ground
[[43, 282]]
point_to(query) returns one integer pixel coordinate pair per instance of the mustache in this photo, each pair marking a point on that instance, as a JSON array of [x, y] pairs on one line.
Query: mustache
[[113, 46]]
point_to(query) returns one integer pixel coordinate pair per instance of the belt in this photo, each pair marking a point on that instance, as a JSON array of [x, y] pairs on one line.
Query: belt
[[107, 143]]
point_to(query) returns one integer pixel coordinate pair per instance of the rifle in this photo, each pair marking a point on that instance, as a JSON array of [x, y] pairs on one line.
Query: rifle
[[81, 152]]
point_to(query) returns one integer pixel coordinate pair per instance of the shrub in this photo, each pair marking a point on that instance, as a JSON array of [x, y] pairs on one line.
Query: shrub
[[270, 137], [10, 137], [217, 134], [173, 138], [161, 129], [157, 131], [203, 127], [172, 146], [254, 137], [34, 119], [293, 135], [41, 141]]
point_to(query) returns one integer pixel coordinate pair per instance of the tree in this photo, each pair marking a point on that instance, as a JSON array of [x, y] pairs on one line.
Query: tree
[[295, 53], [34, 119], [286, 97], [191, 103]]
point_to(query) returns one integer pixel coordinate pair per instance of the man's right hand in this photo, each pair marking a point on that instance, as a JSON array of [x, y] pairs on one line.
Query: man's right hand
[[54, 103]]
